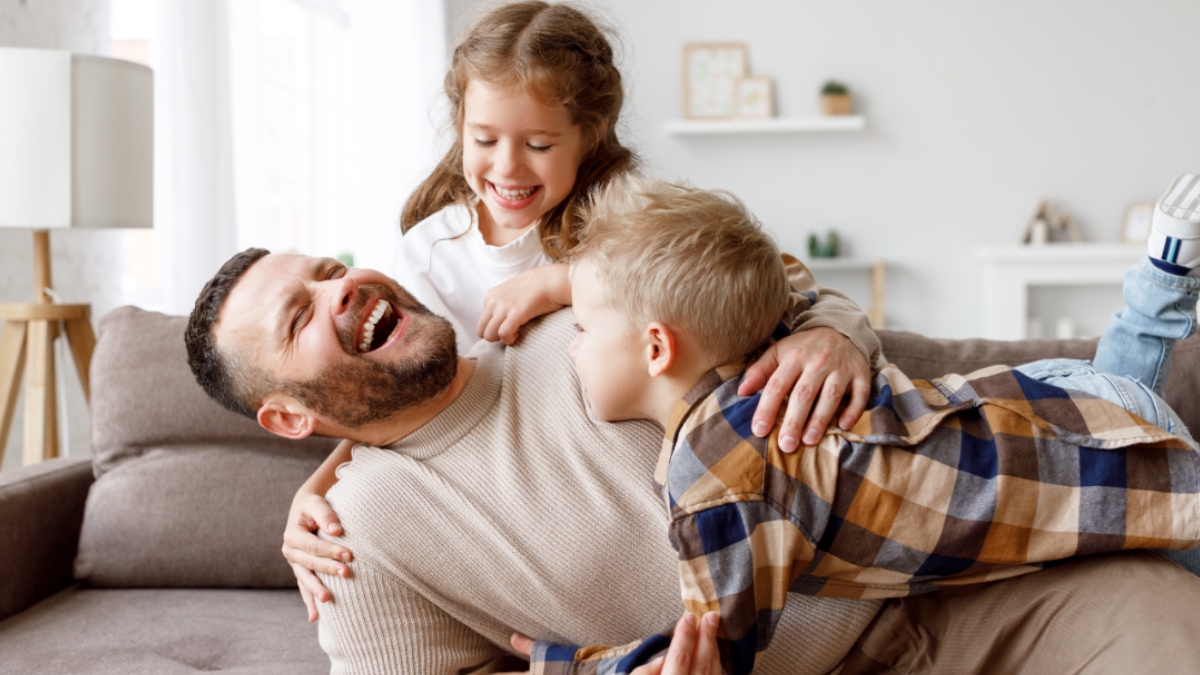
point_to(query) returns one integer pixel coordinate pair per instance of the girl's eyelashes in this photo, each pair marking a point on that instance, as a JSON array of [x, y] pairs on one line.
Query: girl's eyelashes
[[483, 143]]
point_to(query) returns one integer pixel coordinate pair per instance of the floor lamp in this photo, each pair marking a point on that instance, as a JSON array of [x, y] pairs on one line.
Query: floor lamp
[[76, 151]]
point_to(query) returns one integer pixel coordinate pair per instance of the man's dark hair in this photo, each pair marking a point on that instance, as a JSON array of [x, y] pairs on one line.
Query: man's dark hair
[[215, 371]]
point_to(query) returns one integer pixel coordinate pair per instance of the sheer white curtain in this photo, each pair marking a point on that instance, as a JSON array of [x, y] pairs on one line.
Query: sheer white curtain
[[289, 124], [194, 183]]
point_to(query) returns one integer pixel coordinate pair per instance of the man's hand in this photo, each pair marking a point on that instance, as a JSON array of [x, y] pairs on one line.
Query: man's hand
[[690, 653], [307, 553], [814, 370], [526, 296], [693, 649], [524, 647]]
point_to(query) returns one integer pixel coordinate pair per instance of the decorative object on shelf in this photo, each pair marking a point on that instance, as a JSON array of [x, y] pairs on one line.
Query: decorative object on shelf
[[754, 97], [836, 99], [823, 249], [710, 75], [1136, 228], [76, 151], [1050, 225]]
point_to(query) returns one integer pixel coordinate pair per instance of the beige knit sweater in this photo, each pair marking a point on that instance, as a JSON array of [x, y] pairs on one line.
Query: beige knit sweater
[[532, 517]]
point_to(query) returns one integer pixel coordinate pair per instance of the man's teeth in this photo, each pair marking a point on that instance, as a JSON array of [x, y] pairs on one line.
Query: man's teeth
[[381, 308], [513, 195]]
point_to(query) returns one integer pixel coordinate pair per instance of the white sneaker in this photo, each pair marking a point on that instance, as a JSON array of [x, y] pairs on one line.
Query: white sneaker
[[1174, 243]]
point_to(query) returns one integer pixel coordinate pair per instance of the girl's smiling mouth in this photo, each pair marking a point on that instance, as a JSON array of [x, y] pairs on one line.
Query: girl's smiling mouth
[[513, 198]]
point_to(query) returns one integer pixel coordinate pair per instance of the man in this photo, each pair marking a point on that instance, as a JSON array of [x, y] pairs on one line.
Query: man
[[485, 501]]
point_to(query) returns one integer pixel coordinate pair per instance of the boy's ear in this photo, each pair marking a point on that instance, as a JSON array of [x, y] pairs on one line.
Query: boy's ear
[[661, 348], [284, 416]]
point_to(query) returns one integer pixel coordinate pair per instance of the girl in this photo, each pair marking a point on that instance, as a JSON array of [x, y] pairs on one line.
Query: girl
[[535, 96]]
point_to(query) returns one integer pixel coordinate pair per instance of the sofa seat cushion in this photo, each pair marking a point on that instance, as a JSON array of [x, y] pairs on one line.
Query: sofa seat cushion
[[98, 631], [189, 518]]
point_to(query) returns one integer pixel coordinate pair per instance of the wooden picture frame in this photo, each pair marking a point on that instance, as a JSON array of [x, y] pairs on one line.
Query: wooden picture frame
[[711, 71], [1136, 227], [754, 97]]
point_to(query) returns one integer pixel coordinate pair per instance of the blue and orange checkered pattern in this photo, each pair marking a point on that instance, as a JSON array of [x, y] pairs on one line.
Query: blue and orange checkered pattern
[[959, 480]]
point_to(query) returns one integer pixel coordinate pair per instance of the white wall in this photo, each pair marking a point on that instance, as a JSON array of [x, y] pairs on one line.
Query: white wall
[[976, 110], [82, 263]]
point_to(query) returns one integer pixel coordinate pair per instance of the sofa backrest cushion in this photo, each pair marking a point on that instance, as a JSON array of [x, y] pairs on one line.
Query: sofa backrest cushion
[[144, 396], [924, 358], [187, 493]]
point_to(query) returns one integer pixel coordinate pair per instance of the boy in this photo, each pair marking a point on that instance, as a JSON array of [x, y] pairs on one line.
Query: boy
[[960, 480]]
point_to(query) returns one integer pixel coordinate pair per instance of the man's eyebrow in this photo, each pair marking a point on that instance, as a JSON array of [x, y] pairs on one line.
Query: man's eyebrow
[[531, 132]]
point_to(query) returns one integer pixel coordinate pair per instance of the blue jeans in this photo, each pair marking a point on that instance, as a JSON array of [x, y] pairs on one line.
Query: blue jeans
[[1134, 356]]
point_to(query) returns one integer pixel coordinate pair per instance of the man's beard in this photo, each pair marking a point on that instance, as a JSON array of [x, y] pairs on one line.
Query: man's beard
[[365, 391]]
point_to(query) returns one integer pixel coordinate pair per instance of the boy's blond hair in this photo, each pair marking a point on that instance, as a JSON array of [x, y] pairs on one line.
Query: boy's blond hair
[[696, 260]]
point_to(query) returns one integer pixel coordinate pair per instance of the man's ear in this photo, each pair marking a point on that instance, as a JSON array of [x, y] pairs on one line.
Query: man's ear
[[284, 416], [661, 348]]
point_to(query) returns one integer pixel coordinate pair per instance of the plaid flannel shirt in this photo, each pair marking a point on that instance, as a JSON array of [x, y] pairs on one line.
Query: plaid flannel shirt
[[958, 480]]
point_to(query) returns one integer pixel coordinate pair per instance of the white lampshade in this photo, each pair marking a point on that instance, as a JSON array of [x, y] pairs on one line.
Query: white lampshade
[[76, 141]]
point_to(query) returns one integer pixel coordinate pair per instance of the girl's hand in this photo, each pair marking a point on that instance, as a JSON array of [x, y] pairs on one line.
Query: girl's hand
[[526, 296], [307, 553], [814, 369]]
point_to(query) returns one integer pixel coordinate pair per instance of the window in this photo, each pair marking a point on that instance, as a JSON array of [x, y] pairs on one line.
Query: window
[[308, 124]]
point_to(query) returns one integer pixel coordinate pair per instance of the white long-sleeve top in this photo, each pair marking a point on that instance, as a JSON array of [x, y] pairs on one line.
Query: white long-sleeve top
[[445, 263]]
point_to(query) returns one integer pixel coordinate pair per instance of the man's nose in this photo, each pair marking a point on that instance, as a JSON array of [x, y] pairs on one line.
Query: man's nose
[[344, 291]]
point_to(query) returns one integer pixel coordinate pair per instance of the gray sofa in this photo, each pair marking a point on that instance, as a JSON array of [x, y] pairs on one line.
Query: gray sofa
[[160, 554]]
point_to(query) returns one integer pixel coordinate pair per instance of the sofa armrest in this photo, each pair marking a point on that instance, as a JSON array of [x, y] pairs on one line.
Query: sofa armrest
[[41, 511]]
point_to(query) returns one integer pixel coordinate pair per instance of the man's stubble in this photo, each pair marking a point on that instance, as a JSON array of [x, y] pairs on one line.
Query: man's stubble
[[365, 391]]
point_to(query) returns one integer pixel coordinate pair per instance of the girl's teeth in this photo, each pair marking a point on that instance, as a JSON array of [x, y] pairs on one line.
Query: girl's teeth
[[513, 195]]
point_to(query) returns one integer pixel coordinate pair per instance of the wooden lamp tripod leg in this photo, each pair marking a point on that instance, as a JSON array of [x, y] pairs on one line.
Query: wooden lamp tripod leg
[[39, 394], [27, 345], [12, 363]]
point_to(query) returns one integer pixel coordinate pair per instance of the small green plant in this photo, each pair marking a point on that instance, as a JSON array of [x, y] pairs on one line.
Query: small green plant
[[834, 88], [823, 249]]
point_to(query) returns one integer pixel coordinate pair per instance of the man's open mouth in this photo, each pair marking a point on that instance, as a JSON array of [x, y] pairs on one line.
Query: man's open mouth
[[379, 326]]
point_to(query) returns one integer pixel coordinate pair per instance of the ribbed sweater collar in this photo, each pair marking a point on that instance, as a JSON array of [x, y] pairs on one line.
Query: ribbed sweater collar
[[477, 399]]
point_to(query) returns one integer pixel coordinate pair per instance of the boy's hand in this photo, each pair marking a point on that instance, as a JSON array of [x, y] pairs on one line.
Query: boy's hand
[[814, 369], [307, 553], [526, 296]]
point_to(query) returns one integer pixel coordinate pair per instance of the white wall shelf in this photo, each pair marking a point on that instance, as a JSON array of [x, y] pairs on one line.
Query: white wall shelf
[[1011, 272], [771, 125]]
